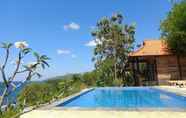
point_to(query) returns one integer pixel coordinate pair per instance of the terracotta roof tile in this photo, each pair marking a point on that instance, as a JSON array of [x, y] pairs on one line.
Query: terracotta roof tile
[[152, 48]]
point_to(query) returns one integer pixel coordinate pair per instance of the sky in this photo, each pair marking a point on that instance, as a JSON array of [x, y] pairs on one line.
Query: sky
[[62, 29]]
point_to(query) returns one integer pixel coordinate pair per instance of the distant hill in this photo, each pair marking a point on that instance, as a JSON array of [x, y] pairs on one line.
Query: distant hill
[[67, 76], [14, 95]]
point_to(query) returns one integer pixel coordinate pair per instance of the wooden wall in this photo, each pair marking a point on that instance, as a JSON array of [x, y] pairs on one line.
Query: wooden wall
[[183, 67], [168, 69]]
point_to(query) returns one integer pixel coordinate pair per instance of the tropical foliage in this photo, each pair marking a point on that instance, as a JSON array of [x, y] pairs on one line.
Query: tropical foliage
[[38, 93], [174, 28], [114, 41], [11, 112], [29, 70]]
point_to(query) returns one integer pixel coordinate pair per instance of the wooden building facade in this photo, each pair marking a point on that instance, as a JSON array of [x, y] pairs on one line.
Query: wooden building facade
[[154, 64]]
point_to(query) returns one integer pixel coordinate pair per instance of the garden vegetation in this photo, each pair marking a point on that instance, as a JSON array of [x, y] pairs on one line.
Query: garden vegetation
[[114, 41]]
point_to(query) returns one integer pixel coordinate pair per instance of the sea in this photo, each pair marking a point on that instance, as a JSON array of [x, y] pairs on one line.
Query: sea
[[13, 96]]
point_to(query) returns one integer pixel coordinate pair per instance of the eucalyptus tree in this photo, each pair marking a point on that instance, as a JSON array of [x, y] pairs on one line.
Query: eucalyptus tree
[[29, 70], [114, 41]]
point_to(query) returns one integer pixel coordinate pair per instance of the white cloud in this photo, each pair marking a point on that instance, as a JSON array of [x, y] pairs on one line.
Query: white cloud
[[66, 52], [73, 56], [93, 43], [72, 26], [63, 51]]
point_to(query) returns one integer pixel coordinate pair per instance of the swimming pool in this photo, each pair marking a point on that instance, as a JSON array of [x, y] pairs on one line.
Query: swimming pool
[[126, 98]]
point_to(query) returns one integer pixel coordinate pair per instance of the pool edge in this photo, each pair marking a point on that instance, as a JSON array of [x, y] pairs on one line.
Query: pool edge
[[55, 105]]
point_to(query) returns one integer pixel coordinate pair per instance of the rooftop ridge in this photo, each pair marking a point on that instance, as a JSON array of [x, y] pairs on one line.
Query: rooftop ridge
[[151, 47]]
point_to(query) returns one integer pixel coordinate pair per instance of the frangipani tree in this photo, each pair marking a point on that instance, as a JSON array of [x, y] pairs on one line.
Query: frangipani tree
[[29, 70]]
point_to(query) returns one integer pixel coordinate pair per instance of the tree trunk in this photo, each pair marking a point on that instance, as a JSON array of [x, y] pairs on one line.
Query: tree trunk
[[179, 67], [124, 78], [115, 71]]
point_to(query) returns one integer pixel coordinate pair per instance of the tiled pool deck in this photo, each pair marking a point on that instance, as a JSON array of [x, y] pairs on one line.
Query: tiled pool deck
[[51, 112]]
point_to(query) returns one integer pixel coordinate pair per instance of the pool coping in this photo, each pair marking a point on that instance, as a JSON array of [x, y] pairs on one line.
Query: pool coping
[[54, 105], [166, 88]]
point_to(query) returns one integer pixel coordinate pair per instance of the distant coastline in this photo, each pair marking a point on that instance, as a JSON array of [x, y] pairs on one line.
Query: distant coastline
[[13, 96]]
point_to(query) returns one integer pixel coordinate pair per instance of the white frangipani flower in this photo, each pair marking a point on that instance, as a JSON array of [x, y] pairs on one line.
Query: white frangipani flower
[[21, 44]]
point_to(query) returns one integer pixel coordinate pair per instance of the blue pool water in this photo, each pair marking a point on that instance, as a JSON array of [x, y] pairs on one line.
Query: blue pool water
[[126, 98]]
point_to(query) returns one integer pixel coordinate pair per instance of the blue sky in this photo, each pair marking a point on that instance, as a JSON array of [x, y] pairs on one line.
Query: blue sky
[[61, 28]]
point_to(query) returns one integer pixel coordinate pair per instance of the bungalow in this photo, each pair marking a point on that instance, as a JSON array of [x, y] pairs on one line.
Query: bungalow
[[154, 64]]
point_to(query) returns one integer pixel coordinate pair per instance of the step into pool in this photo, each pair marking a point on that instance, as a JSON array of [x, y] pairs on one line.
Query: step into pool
[[126, 98]]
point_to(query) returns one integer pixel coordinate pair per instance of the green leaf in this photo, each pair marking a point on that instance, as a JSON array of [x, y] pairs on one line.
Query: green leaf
[[6, 45], [26, 51], [43, 66], [44, 57], [9, 45], [26, 67], [44, 62], [3, 45], [38, 75], [36, 55]]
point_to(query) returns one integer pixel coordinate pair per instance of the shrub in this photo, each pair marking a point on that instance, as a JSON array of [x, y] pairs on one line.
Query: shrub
[[36, 93], [10, 112]]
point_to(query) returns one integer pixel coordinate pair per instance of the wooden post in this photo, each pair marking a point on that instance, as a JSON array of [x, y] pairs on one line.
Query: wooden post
[[148, 73], [136, 80], [137, 66], [134, 72], [156, 72], [179, 67]]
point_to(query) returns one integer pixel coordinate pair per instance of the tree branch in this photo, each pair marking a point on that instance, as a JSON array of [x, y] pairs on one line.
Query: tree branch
[[2, 97], [17, 68], [2, 69], [22, 71], [4, 77], [29, 76], [6, 58]]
